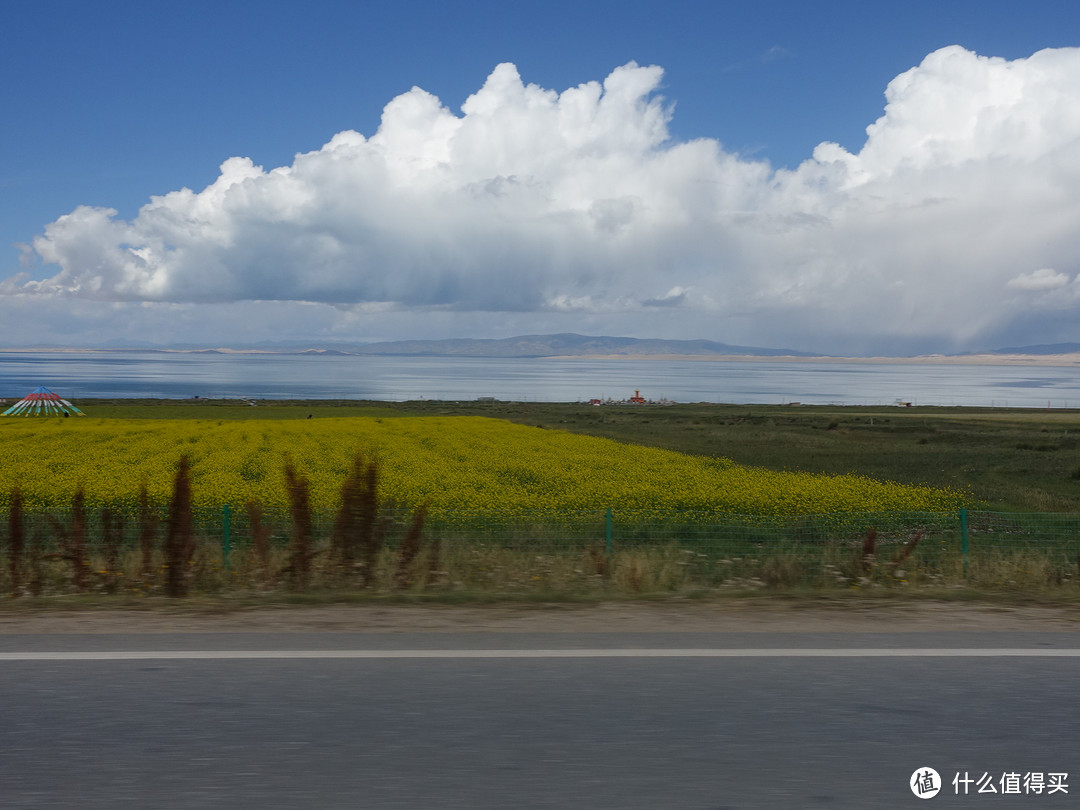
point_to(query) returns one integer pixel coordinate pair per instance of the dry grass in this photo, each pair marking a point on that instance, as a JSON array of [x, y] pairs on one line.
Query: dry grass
[[16, 541], [418, 560], [73, 541], [148, 525], [475, 571]]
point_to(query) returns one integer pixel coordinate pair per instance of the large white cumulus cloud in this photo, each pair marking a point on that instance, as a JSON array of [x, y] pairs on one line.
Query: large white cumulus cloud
[[956, 219]]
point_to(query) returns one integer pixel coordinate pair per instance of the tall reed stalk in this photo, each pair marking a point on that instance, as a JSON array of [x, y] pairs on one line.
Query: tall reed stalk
[[299, 489], [179, 538], [358, 529]]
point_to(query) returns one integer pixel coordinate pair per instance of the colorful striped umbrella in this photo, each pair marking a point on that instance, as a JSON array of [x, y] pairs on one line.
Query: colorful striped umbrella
[[41, 402]]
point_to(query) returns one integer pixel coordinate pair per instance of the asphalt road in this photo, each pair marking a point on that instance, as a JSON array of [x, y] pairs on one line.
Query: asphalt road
[[749, 720]]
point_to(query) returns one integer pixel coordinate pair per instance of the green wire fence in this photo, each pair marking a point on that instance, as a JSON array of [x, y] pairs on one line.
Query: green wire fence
[[711, 549]]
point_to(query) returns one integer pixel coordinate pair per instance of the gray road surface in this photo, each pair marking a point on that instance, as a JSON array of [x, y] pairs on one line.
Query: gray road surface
[[777, 729]]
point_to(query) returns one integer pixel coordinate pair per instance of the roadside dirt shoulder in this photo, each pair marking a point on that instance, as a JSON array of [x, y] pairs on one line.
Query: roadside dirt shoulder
[[743, 616]]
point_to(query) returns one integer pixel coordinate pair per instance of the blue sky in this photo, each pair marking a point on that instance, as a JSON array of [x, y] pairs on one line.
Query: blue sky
[[110, 104]]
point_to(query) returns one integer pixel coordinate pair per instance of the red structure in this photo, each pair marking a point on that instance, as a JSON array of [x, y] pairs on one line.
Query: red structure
[[637, 398]]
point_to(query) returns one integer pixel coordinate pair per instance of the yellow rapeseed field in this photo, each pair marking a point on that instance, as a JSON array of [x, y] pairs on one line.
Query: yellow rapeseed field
[[447, 462]]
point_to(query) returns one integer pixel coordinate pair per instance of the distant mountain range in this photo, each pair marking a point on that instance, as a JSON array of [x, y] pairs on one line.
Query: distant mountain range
[[566, 344], [1052, 348], [562, 345]]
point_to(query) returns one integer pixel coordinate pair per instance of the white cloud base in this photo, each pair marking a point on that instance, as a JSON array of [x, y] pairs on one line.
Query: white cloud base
[[952, 228]]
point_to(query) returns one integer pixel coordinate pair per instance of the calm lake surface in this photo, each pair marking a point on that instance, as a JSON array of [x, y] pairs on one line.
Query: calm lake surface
[[179, 376]]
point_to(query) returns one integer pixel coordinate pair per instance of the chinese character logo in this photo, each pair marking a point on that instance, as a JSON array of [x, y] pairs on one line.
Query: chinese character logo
[[925, 783]]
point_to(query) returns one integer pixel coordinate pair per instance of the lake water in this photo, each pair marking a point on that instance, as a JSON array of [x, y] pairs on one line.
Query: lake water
[[177, 376]]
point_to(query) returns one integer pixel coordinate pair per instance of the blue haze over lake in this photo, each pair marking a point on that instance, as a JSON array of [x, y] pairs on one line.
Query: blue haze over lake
[[267, 376]]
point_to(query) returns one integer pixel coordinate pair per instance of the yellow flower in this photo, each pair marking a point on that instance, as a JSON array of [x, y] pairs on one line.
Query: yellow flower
[[448, 463]]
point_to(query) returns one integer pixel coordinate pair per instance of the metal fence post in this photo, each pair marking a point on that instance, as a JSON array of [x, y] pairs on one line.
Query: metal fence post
[[964, 538], [226, 540], [608, 520]]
